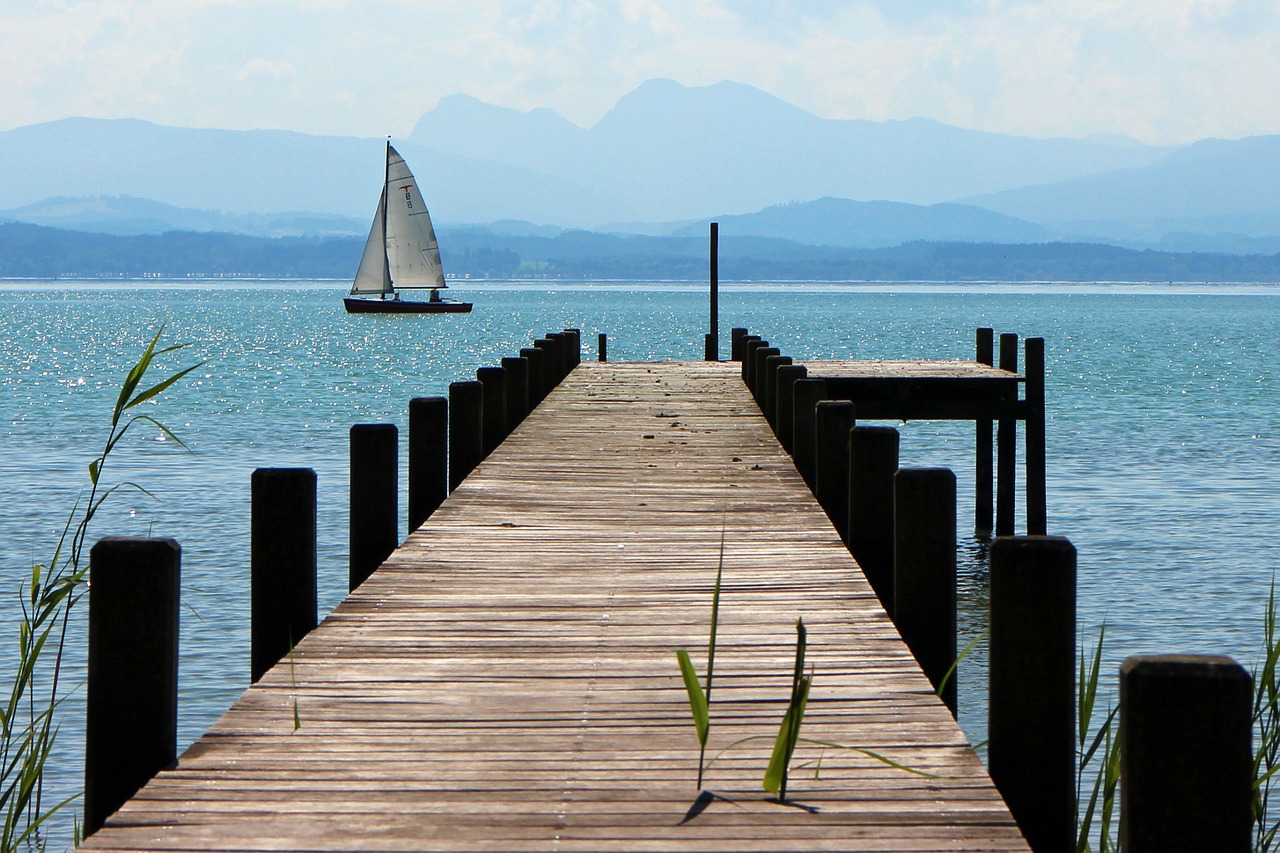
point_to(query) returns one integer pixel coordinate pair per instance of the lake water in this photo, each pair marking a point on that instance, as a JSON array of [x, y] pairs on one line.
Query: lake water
[[1163, 447]]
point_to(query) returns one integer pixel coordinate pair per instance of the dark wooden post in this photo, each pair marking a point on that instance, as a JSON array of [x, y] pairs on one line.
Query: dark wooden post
[[713, 327], [428, 457], [1186, 762], [805, 396], [788, 375], [131, 700], [466, 430], [537, 375], [1031, 709], [517, 385], [832, 421], [758, 359], [769, 393], [1037, 516], [736, 336], [749, 346], [494, 401], [374, 513], [282, 564], [1006, 447], [873, 460], [983, 476], [562, 365], [602, 347], [573, 349], [924, 571], [552, 363]]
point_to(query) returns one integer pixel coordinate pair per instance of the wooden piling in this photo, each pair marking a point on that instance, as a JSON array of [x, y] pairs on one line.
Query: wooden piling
[[374, 516], [553, 361], [538, 388], [758, 360], [494, 400], [131, 697], [873, 460], [428, 457], [984, 475], [1037, 515], [788, 374], [602, 348], [924, 572], [833, 419], [1031, 706], [749, 346], [713, 327], [573, 349], [805, 396], [1186, 759], [517, 385], [769, 390], [466, 430], [282, 563], [736, 337], [1006, 447]]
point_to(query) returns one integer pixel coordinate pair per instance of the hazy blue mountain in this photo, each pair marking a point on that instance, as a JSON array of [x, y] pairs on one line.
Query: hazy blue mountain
[[677, 152], [872, 224], [126, 215], [269, 171]]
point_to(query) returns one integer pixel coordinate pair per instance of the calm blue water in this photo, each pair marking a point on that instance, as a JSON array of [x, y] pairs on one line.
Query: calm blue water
[[1164, 454]]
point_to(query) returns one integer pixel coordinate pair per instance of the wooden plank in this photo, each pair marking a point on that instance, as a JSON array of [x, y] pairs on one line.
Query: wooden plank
[[507, 679]]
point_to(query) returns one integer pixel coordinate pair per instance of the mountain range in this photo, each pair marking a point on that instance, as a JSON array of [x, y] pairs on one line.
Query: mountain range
[[664, 161]]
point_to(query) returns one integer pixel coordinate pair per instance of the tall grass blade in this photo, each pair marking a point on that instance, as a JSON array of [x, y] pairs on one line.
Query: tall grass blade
[[775, 776], [697, 698]]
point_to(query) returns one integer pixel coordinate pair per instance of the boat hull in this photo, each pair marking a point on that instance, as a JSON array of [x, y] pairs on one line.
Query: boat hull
[[357, 305]]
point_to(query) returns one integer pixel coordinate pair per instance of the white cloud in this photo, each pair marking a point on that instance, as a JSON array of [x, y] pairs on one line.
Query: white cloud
[[1164, 70]]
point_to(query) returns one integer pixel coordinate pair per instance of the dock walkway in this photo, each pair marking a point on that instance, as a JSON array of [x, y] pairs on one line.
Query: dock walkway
[[508, 680]]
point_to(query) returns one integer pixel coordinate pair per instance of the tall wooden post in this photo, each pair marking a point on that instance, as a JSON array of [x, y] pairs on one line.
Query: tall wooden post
[[832, 421], [602, 347], [769, 397], [466, 430], [873, 460], [374, 516], [1037, 515], [805, 395], [131, 698], [1006, 447], [1031, 708], [1186, 757], [736, 337], [517, 385], [983, 476], [537, 375], [924, 572], [494, 400], [758, 360], [788, 375], [713, 333], [553, 362], [282, 564], [749, 346], [428, 457]]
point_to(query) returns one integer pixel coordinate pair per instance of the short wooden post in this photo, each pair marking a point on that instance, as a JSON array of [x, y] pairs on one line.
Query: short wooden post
[[1186, 767], [873, 460], [924, 571], [552, 363], [759, 358], [562, 366], [131, 699], [374, 513], [517, 385], [537, 374], [805, 396], [1006, 447], [466, 430], [788, 375], [984, 476], [713, 328], [494, 401], [1037, 516], [1031, 708], [428, 457], [832, 421], [282, 564], [736, 336], [749, 346], [770, 389], [602, 347], [573, 351]]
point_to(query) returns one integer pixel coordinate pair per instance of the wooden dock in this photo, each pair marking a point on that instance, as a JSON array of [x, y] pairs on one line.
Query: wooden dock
[[508, 680]]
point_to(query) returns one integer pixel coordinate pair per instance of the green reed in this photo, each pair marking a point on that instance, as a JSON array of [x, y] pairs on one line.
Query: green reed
[[29, 711]]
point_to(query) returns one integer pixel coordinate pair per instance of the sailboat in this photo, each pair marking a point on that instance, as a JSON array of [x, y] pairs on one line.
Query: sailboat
[[401, 252]]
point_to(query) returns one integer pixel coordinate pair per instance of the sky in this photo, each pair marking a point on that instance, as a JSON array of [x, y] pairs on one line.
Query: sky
[[1161, 71]]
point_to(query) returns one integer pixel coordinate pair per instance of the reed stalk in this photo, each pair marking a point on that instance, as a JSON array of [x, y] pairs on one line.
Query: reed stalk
[[29, 710]]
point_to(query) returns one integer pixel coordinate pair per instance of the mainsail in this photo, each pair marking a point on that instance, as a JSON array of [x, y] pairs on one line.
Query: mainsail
[[401, 251]]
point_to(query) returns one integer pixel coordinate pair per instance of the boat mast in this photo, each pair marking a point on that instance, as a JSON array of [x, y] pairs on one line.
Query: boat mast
[[386, 200]]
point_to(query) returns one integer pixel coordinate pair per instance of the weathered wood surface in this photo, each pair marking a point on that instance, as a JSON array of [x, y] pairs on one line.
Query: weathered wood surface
[[507, 680]]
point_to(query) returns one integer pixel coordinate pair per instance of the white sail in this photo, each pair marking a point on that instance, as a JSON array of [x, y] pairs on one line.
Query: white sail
[[373, 275], [412, 251]]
